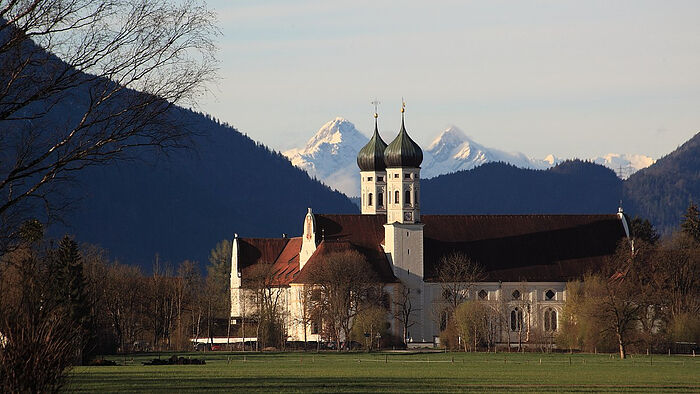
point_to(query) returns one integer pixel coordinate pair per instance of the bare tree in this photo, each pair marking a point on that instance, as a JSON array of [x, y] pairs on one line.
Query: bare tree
[[266, 295], [83, 82], [306, 315], [404, 310], [39, 338], [347, 284], [457, 275]]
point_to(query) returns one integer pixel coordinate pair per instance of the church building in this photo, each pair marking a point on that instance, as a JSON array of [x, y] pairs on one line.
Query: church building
[[527, 259]]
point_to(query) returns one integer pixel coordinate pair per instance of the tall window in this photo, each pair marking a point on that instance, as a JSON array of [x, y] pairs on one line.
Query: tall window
[[407, 199], [550, 320], [380, 199], [396, 197], [369, 199], [516, 319]]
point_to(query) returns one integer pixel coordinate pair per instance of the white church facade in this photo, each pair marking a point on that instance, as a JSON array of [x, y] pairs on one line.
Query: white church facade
[[527, 259]]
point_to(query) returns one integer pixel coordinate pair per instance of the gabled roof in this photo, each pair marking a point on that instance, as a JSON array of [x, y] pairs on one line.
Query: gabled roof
[[282, 253], [523, 247], [380, 266], [509, 247], [363, 233]]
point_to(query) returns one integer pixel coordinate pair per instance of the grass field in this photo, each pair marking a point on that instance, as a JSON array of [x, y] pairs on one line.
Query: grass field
[[417, 372]]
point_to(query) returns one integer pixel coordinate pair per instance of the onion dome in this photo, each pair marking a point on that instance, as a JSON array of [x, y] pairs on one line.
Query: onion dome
[[371, 156], [403, 151]]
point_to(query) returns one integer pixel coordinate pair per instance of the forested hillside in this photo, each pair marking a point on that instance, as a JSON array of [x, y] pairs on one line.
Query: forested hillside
[[497, 188], [663, 191], [181, 204]]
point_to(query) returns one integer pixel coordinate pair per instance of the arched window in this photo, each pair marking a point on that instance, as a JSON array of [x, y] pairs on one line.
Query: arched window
[[516, 319], [369, 199], [396, 197], [550, 320], [407, 197], [380, 199]]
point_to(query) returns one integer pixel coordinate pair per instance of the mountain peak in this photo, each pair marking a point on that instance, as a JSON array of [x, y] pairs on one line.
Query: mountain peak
[[333, 132], [451, 136], [331, 153]]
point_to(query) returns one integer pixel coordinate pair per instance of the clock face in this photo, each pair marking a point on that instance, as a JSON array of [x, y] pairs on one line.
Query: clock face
[[408, 216]]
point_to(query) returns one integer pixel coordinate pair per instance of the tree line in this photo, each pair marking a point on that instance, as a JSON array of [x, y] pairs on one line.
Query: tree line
[[65, 304], [645, 298]]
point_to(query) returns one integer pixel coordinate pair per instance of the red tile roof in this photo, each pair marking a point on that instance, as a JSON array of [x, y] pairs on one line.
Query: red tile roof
[[283, 253], [363, 233], [380, 265], [510, 247]]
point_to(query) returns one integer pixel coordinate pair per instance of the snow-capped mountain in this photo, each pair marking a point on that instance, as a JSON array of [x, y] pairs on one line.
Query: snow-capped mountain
[[330, 155], [453, 151], [624, 164]]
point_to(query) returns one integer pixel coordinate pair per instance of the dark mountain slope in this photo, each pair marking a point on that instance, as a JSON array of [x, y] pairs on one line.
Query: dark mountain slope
[[661, 192], [497, 188], [182, 204]]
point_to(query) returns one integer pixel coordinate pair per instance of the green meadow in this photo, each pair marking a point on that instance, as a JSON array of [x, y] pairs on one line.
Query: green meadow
[[392, 372]]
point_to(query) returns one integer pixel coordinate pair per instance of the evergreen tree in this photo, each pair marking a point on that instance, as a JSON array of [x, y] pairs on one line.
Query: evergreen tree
[[691, 222], [69, 287], [644, 230]]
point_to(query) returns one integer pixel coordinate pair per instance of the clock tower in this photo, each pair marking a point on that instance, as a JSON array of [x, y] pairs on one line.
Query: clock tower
[[403, 231]]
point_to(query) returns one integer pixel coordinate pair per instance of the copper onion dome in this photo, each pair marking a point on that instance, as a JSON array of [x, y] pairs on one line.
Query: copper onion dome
[[371, 156], [403, 151]]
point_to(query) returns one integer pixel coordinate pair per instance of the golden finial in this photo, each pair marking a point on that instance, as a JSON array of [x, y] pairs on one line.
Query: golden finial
[[376, 104], [403, 105]]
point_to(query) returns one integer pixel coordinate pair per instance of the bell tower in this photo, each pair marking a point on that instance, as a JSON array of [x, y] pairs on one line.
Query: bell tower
[[373, 180], [403, 231], [403, 158]]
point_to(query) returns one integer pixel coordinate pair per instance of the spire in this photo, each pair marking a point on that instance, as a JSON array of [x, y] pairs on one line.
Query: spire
[[371, 156], [403, 151]]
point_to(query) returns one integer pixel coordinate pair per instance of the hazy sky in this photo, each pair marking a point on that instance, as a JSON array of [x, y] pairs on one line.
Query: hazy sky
[[572, 78]]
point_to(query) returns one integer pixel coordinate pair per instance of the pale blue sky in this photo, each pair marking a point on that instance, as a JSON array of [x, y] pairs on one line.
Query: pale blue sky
[[572, 78]]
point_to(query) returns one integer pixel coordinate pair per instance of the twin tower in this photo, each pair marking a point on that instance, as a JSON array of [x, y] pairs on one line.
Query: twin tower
[[390, 176]]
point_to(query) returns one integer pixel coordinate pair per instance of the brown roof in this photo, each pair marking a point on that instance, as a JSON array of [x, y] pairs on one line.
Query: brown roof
[[510, 247], [363, 233], [523, 247], [283, 253], [380, 265]]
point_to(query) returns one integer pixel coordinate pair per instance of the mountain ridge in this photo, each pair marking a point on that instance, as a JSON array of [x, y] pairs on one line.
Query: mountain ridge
[[330, 156]]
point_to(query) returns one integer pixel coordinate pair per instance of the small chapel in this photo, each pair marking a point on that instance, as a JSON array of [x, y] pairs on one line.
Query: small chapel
[[526, 259]]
